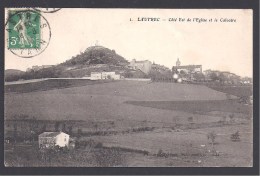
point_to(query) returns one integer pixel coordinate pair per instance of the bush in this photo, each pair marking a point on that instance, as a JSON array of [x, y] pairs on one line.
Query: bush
[[212, 137], [190, 119], [162, 154], [231, 116], [109, 157], [79, 132], [99, 145], [235, 136]]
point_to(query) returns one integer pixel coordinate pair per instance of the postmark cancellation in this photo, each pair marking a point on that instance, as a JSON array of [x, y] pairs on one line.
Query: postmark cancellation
[[28, 33]]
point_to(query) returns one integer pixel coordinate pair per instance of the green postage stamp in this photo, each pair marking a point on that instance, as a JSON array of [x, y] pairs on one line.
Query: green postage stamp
[[24, 30], [28, 33]]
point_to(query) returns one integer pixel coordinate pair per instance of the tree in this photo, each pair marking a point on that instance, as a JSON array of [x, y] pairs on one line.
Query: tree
[[70, 129], [109, 157], [213, 76], [190, 119], [79, 132], [57, 126], [44, 128], [73, 62], [63, 127], [231, 117], [15, 132], [109, 77], [212, 138], [235, 136], [33, 128], [224, 119], [129, 75], [199, 76], [222, 78], [96, 127], [183, 74]]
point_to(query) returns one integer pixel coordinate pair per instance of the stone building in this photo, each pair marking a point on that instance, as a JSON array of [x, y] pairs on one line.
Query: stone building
[[145, 66]]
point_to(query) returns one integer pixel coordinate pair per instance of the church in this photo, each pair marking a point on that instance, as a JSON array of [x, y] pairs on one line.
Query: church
[[188, 69]]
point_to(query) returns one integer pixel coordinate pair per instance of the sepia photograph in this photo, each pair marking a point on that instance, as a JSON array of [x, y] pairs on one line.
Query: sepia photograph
[[114, 87]]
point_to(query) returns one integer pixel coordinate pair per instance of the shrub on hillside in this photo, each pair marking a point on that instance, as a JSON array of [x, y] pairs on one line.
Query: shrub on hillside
[[235, 136], [109, 157], [232, 117], [212, 137]]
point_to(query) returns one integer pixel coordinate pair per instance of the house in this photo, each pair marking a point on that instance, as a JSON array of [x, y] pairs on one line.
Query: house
[[136, 74], [104, 75], [52, 139], [144, 66], [95, 75], [110, 75]]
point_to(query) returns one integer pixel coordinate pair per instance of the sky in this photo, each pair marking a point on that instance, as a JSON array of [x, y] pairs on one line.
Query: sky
[[224, 46]]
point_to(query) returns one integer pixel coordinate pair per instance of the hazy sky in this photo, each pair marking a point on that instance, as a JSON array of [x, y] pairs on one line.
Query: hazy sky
[[225, 46]]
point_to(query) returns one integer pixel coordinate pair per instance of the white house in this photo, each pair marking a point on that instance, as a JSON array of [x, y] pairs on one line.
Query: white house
[[95, 75], [52, 139], [104, 75], [110, 75]]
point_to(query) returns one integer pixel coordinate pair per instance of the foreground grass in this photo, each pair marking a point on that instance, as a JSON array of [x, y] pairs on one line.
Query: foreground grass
[[30, 156]]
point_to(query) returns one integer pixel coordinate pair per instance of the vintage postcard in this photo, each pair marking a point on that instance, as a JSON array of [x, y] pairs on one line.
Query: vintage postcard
[[93, 87]]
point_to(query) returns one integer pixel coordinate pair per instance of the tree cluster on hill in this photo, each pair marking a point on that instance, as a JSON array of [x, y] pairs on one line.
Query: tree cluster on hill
[[96, 55], [224, 79], [42, 73], [158, 75], [213, 76]]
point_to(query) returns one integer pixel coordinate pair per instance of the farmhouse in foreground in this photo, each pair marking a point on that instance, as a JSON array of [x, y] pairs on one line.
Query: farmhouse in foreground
[[52, 139]]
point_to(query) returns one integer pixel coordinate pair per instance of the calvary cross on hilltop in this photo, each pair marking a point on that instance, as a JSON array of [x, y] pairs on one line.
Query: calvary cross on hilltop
[[96, 44]]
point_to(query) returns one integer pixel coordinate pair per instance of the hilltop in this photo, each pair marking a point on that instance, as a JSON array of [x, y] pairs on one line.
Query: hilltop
[[96, 55]]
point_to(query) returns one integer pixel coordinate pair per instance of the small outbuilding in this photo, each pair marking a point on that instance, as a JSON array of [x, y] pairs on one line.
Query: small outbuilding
[[52, 139]]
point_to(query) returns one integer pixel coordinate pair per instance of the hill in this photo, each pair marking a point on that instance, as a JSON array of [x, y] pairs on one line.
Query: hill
[[96, 55], [13, 74], [94, 58]]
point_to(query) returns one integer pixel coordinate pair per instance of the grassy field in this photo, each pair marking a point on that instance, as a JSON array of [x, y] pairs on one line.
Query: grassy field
[[197, 106], [47, 84], [190, 143], [104, 101], [237, 90], [140, 116]]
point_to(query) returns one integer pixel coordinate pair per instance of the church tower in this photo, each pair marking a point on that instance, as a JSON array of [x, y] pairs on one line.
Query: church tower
[[178, 63]]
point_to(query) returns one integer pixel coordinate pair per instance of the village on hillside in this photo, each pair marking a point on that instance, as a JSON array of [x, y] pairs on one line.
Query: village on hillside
[[99, 110], [90, 65]]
